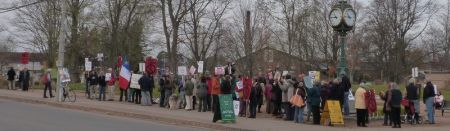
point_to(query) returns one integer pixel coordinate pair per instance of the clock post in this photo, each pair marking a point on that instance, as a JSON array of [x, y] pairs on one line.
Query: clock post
[[342, 18]]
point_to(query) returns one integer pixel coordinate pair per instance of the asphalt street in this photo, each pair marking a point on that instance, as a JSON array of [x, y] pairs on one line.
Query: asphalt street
[[16, 116]]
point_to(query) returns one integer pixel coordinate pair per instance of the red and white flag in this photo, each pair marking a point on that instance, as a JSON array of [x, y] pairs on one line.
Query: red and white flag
[[125, 74]]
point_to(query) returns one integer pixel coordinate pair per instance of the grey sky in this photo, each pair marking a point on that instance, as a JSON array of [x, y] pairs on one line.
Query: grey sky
[[6, 18]]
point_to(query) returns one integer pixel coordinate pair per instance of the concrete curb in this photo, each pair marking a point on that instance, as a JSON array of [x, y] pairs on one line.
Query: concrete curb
[[153, 118]]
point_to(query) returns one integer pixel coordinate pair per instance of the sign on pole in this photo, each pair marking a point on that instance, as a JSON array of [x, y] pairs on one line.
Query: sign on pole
[[64, 75], [182, 71], [88, 66], [200, 66], [332, 112], [135, 81], [227, 108], [308, 81], [141, 67]]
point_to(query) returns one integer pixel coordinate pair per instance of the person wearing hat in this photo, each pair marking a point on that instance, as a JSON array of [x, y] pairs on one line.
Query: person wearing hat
[[360, 105], [47, 79]]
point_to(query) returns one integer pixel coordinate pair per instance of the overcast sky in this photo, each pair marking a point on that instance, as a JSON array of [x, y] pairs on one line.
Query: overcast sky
[[6, 18]]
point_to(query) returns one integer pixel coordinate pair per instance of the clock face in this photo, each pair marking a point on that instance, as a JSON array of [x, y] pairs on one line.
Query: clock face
[[349, 17], [335, 17]]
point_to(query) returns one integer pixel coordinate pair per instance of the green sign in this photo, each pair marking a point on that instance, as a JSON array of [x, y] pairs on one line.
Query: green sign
[[226, 108]]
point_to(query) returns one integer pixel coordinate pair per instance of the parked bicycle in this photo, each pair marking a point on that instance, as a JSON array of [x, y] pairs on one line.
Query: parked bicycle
[[68, 94]]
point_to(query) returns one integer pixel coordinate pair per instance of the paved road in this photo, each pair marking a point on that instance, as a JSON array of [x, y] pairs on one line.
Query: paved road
[[15, 116]]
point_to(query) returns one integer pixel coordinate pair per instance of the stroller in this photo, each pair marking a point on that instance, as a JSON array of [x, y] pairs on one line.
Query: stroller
[[410, 113]]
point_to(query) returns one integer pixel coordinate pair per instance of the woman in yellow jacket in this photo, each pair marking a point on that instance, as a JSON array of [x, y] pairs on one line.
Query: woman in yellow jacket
[[360, 105]]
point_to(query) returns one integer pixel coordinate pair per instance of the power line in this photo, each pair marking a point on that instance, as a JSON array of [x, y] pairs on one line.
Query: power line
[[4, 10]]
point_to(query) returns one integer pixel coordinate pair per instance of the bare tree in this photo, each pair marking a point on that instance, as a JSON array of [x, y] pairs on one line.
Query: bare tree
[[175, 12], [202, 26], [42, 22]]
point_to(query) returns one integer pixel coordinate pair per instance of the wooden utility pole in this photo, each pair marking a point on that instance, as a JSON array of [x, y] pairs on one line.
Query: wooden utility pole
[[248, 45]]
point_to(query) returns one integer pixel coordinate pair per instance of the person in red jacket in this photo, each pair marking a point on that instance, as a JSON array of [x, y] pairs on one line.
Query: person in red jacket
[[245, 95], [208, 97]]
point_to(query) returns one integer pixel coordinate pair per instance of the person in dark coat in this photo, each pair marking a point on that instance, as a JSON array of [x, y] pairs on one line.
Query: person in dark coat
[[11, 77], [315, 100], [394, 98], [346, 86], [202, 92], [387, 113], [276, 98], [260, 93], [93, 82], [253, 100], [337, 92], [428, 99], [102, 87], [146, 84], [412, 94], [24, 79], [162, 91]]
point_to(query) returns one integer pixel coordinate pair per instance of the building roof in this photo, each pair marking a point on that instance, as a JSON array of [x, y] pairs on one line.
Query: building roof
[[14, 57]]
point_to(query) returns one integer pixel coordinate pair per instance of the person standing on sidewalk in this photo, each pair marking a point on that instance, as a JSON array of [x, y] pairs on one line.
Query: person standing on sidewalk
[[288, 90], [209, 94], [315, 99], [268, 96], [11, 77], [102, 86], [387, 113], [24, 78], [189, 89], [253, 99], [162, 90], [360, 105], [146, 84], [111, 79], [301, 91], [412, 94], [169, 86], [428, 100], [202, 94], [215, 95], [394, 98], [260, 92], [47, 79], [346, 85], [215, 91], [93, 83]]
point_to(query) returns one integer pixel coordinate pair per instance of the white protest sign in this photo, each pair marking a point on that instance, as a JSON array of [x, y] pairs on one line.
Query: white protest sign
[[135, 81], [141, 67], [236, 107], [240, 85], [200, 66], [64, 75], [415, 72], [285, 73], [219, 70], [88, 66], [182, 71], [107, 76], [192, 70]]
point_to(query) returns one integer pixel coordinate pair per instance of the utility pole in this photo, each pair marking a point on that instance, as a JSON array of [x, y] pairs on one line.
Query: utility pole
[[60, 64]]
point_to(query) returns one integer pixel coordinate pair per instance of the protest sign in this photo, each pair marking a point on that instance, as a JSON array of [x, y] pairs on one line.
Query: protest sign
[[135, 81], [200, 66], [182, 71], [219, 70], [227, 108]]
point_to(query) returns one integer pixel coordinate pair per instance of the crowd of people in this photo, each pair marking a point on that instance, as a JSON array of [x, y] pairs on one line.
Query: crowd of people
[[276, 92]]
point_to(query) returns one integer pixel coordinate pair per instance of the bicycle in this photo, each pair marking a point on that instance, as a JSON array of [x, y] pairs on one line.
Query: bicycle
[[68, 93]]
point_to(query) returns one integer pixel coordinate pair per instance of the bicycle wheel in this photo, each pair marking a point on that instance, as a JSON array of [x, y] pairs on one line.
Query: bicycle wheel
[[72, 96], [65, 95]]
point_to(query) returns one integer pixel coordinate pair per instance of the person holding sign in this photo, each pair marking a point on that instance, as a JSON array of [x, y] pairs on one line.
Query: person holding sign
[[360, 105], [314, 98], [102, 86], [215, 91]]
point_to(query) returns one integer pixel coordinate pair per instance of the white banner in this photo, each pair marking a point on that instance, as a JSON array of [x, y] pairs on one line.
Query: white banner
[[219, 70], [200, 66]]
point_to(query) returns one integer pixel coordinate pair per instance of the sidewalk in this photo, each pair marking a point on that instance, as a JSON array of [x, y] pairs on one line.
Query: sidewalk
[[178, 117]]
